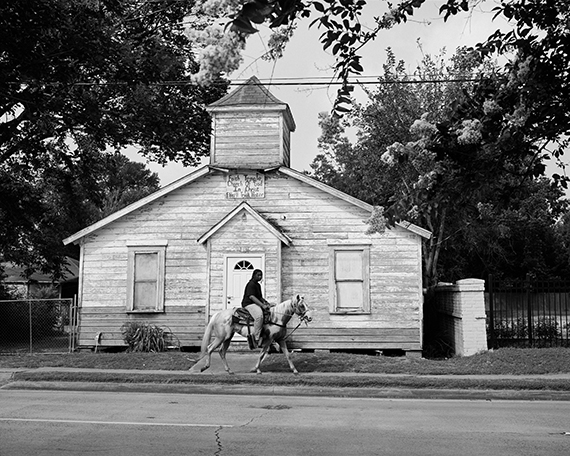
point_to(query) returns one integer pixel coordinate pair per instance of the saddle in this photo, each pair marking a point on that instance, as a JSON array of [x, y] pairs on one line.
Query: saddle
[[243, 317]]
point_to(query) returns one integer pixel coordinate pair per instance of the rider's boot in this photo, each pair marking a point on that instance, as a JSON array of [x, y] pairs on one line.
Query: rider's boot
[[252, 342]]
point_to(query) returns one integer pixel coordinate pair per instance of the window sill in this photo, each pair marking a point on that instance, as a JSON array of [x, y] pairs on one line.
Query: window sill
[[351, 312], [149, 311]]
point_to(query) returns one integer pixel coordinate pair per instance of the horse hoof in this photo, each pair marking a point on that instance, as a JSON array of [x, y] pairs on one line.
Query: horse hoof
[[258, 372], [296, 372], [231, 373]]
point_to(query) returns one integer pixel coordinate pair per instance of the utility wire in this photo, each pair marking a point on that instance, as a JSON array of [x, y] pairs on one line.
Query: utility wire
[[273, 82]]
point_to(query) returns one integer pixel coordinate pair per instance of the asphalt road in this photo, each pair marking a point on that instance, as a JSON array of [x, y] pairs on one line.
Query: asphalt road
[[118, 423]]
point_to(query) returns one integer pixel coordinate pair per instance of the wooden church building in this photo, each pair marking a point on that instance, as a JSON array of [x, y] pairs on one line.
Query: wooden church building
[[179, 255]]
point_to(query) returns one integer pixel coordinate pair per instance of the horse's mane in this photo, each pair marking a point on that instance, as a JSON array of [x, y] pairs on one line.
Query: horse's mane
[[279, 309]]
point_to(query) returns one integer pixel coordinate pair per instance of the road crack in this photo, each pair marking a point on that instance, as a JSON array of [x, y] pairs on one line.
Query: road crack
[[219, 445], [217, 432]]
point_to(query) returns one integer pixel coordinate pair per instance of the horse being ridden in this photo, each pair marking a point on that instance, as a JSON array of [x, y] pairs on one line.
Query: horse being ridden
[[223, 326]]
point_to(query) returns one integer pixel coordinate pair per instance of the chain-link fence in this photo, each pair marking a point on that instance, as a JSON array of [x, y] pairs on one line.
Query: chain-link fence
[[38, 326]]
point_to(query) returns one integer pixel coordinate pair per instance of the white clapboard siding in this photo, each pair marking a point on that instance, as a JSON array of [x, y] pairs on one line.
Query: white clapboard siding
[[251, 138], [313, 219]]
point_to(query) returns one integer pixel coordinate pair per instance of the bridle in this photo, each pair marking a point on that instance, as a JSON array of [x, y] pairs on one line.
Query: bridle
[[303, 317]]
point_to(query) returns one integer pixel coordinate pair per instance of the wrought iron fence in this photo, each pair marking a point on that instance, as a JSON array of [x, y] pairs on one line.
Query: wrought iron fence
[[38, 326], [528, 313]]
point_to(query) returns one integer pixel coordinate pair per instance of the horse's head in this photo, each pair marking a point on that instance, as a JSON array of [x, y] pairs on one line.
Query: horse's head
[[301, 309]]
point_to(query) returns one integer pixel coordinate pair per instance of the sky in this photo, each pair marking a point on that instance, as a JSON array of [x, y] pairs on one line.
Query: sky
[[305, 59]]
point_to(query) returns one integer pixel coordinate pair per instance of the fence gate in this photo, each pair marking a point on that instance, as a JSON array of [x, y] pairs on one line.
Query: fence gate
[[38, 326], [528, 313]]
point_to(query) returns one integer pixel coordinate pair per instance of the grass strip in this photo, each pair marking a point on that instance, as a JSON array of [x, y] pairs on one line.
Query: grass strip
[[305, 380]]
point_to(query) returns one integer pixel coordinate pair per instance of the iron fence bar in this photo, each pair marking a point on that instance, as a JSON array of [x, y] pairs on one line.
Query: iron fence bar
[[529, 311], [566, 319], [550, 306], [533, 312], [491, 312], [567, 325]]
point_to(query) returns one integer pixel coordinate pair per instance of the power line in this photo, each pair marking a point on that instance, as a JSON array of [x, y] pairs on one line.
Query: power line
[[270, 82]]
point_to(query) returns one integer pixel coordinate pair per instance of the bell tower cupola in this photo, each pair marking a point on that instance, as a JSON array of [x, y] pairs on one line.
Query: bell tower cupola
[[250, 129]]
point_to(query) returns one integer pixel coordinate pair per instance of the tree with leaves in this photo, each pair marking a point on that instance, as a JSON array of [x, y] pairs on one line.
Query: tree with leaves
[[77, 78], [421, 162], [42, 205], [511, 241], [116, 72]]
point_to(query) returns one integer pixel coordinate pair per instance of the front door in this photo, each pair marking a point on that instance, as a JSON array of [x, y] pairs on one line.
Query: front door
[[239, 270]]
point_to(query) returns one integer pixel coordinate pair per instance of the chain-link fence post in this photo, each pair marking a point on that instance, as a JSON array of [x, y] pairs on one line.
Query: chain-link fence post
[[30, 326]]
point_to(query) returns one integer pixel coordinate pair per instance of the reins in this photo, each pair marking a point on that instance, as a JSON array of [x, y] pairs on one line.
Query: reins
[[285, 326], [296, 327]]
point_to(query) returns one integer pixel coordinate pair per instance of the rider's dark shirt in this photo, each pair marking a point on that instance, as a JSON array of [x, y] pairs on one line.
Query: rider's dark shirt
[[252, 288]]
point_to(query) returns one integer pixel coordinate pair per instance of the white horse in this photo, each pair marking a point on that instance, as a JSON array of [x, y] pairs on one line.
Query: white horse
[[223, 326]]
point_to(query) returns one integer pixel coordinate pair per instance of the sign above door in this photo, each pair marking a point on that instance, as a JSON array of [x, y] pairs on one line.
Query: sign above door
[[245, 185]]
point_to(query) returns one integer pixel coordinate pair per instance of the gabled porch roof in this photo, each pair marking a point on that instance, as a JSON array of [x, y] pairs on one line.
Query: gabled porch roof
[[243, 206]]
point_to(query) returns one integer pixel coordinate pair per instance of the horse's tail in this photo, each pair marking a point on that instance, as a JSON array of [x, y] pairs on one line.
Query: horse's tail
[[207, 336]]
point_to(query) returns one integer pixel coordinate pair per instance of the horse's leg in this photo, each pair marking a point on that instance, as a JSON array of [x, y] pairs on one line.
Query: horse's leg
[[285, 350], [262, 356], [200, 358], [223, 351], [215, 344]]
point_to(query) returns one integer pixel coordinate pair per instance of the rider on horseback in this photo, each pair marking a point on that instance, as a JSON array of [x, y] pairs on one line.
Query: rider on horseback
[[254, 303]]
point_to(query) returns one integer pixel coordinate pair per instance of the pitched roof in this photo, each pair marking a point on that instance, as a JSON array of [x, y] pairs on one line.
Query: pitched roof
[[138, 204], [252, 92], [16, 274], [252, 95], [351, 199], [209, 169]]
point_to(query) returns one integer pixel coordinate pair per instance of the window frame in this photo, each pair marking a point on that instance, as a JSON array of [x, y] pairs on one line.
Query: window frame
[[146, 247], [333, 298]]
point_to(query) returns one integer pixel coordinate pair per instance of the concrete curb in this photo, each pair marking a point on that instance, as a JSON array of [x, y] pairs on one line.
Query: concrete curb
[[214, 381], [262, 390]]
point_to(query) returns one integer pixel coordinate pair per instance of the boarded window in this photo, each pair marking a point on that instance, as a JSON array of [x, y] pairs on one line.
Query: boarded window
[[146, 279], [349, 279]]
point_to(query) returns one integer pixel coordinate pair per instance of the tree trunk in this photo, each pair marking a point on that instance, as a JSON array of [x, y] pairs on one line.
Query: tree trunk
[[433, 247]]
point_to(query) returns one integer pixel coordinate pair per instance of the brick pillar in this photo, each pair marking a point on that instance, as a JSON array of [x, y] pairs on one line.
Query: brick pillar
[[471, 306]]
